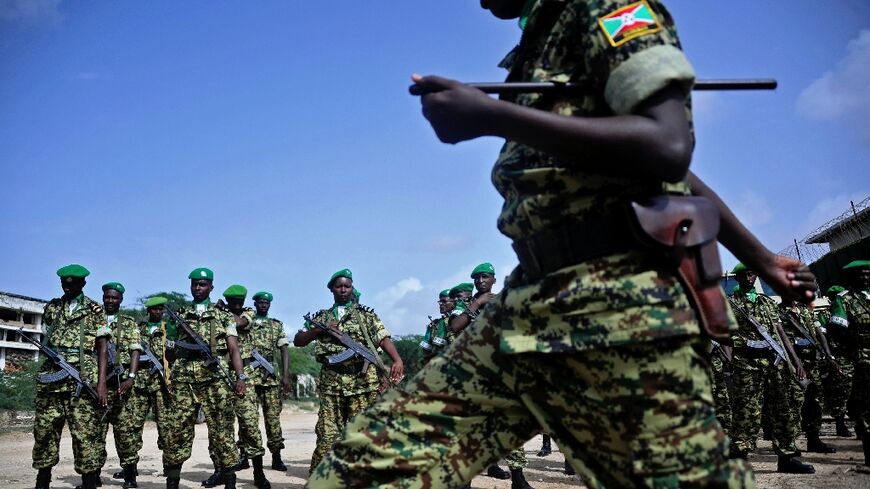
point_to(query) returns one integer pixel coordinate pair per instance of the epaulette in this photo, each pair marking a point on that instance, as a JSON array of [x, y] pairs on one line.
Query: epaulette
[[55, 301], [96, 308]]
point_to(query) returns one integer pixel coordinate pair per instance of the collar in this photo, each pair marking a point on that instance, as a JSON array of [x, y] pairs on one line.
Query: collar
[[750, 293]]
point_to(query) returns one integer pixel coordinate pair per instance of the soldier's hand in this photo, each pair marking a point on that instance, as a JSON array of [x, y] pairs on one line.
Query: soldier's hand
[[397, 372], [285, 385], [125, 387], [456, 111], [789, 277], [800, 372], [103, 394], [240, 388], [484, 299]]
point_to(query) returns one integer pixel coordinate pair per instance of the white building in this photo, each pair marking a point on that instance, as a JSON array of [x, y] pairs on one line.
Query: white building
[[17, 312]]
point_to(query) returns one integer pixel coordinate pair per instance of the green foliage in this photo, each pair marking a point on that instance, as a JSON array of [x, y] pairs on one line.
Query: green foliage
[[137, 310], [18, 390], [409, 349], [302, 360]]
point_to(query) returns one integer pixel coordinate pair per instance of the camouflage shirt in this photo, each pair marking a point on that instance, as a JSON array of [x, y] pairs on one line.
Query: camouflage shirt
[[155, 334], [267, 336], [214, 326], [857, 305], [804, 348], [764, 310], [72, 329], [358, 322], [125, 336]]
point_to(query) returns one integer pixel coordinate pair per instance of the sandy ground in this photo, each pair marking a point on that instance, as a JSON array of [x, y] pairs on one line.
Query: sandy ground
[[833, 471]]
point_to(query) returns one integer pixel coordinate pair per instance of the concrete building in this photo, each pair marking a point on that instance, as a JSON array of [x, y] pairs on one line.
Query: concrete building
[[18, 311]]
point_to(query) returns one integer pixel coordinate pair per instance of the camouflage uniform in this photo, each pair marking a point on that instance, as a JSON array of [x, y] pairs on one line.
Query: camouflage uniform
[[344, 390], [606, 354], [122, 412], [721, 370], [857, 305], [811, 411], [756, 376], [72, 334], [838, 390], [267, 336], [195, 385]]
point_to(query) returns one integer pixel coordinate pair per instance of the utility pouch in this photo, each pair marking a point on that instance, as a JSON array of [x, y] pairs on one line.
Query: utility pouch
[[684, 230]]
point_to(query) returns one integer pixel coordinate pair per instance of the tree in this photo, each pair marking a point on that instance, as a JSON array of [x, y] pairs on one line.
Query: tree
[[175, 301]]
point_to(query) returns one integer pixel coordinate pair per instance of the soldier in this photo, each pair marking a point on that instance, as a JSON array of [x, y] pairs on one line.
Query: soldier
[[124, 404], [346, 388], [438, 333], [807, 348], [593, 338], [246, 409], [75, 327], [720, 366], [856, 302], [758, 375], [838, 390], [199, 385], [268, 337]]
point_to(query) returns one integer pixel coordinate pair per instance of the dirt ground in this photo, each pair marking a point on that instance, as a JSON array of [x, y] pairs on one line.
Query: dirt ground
[[836, 471]]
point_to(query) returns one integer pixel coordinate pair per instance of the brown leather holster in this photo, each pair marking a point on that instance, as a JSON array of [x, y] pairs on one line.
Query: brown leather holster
[[684, 230]]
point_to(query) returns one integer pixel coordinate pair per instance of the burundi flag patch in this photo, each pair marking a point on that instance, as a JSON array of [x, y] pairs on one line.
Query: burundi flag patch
[[629, 22]]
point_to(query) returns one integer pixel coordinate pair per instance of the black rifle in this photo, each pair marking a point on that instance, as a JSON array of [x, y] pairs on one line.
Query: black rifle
[[571, 88], [66, 371], [354, 349], [259, 361], [199, 346], [149, 357], [116, 369], [790, 317]]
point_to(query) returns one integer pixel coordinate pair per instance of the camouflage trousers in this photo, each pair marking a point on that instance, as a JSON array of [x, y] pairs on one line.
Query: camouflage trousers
[[516, 459], [756, 380], [334, 413], [247, 412], [638, 415], [214, 398], [269, 397], [53, 409], [838, 389], [140, 402], [861, 402], [721, 394], [125, 430], [811, 412]]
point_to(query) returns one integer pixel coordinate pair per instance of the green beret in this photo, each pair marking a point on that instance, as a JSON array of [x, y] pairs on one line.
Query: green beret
[[464, 287], [155, 301], [346, 273], [834, 289], [444, 293], [483, 268], [857, 264], [74, 270], [114, 286], [235, 291], [201, 273], [356, 293], [263, 295], [739, 268]]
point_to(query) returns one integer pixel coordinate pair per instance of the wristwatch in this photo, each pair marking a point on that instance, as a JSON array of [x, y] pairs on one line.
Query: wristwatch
[[243, 377], [131, 375]]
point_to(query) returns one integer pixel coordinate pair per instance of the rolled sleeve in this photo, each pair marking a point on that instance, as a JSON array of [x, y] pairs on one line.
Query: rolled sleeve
[[645, 73], [282, 341]]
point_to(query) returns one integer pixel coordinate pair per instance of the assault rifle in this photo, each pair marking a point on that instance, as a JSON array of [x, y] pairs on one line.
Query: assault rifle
[[354, 349], [790, 317], [261, 362], [116, 370], [199, 346], [66, 371], [570, 88], [149, 357]]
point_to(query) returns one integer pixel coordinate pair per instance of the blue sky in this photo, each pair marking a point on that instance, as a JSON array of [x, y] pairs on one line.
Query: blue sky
[[274, 141]]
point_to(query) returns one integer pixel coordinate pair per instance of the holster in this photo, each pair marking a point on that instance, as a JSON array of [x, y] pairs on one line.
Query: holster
[[684, 230]]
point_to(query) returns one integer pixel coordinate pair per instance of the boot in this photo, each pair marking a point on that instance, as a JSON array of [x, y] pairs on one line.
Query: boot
[[120, 474], [229, 480], [866, 444], [173, 475], [172, 482], [814, 444], [859, 431], [277, 463], [793, 465], [569, 470], [43, 478], [546, 448], [518, 481], [130, 477], [497, 472], [214, 480], [89, 480], [260, 481], [842, 429], [98, 481], [243, 462]]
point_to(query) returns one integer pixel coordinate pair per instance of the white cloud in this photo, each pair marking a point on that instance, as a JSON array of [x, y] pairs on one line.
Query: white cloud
[[842, 92], [31, 12], [752, 209], [831, 207]]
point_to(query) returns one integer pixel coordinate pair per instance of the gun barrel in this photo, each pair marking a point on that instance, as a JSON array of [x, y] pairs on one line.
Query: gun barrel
[[548, 87]]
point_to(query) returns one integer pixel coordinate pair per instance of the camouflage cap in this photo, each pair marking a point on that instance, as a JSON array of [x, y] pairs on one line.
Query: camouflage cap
[[857, 265], [344, 272], [114, 286], [200, 274], [155, 301], [73, 270], [263, 295], [483, 268], [236, 291]]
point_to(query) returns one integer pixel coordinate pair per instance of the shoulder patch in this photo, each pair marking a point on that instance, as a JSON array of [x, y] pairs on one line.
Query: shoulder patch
[[629, 22]]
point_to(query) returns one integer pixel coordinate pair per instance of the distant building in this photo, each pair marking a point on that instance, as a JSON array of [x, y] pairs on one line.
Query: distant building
[[844, 232], [16, 312]]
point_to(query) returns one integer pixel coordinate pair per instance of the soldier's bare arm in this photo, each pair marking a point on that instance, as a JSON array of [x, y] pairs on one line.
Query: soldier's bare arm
[[285, 374], [397, 370], [102, 368], [236, 361], [134, 367]]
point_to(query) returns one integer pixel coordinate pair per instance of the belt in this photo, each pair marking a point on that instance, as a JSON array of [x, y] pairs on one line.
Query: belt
[[354, 368], [575, 242]]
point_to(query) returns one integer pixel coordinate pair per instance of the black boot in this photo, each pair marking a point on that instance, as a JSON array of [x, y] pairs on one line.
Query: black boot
[[569, 470], [120, 474], [214, 480], [89, 480], [277, 463], [43, 478], [229, 480], [260, 480], [793, 465], [497, 472], [518, 480], [546, 448], [173, 475], [243, 462], [866, 444], [814, 444], [130, 477], [172, 482], [842, 429], [98, 481]]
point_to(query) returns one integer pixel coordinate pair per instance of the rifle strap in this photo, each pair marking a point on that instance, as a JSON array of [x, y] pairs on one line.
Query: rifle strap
[[365, 331], [165, 360]]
